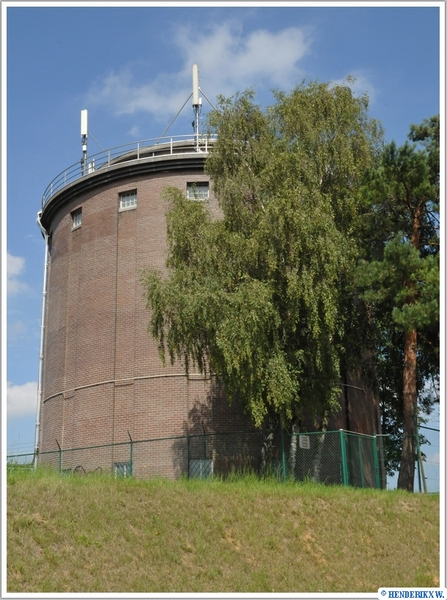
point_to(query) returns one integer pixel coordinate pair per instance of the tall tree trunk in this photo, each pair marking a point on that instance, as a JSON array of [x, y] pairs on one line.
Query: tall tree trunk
[[407, 462], [406, 472]]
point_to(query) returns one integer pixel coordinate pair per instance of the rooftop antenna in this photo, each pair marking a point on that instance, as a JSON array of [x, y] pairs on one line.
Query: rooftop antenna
[[196, 102], [84, 132]]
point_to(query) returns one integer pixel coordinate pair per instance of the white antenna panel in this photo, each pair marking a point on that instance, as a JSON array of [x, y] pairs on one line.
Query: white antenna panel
[[195, 85], [84, 122]]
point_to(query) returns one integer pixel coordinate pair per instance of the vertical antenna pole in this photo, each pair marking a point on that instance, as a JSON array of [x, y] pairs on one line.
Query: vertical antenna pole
[[196, 102], [84, 132]]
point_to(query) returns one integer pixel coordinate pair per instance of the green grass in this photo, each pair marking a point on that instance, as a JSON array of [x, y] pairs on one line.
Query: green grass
[[98, 534]]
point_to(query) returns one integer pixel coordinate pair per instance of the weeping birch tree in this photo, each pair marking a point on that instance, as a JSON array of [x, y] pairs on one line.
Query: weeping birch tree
[[260, 297]]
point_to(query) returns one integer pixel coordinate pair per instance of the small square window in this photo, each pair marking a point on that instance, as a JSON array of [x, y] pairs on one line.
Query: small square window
[[76, 218], [128, 200], [199, 190]]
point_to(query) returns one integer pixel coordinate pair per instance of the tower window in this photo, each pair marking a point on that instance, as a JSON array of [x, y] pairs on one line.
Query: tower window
[[199, 190], [76, 218], [128, 200]]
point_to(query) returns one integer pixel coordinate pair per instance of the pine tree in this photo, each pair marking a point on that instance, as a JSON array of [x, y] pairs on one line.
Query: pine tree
[[400, 270]]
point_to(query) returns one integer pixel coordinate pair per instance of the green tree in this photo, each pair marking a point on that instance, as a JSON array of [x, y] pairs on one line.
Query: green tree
[[259, 295], [399, 275]]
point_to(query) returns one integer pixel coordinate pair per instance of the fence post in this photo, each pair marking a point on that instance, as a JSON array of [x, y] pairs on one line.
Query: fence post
[[188, 453], [376, 463], [131, 454], [362, 478], [381, 459], [60, 457], [283, 455], [204, 447], [421, 473], [344, 461]]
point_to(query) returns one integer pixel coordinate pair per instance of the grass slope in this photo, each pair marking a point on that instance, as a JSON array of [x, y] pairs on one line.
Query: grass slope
[[97, 534]]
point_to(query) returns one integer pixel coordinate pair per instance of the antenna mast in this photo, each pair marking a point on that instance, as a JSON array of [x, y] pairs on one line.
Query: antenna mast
[[84, 131], [196, 102]]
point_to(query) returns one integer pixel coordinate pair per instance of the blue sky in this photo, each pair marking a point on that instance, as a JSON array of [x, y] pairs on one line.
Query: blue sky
[[130, 66]]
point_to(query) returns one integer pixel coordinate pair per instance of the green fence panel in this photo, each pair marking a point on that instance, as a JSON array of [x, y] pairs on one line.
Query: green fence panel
[[330, 457], [314, 456]]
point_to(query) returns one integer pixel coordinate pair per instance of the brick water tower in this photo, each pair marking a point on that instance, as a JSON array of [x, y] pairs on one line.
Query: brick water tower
[[102, 381]]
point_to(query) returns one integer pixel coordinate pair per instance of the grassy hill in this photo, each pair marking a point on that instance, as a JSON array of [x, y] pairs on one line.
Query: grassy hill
[[98, 534]]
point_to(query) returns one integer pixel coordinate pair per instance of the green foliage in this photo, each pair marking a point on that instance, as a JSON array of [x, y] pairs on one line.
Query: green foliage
[[427, 133], [259, 296], [409, 281], [399, 274], [398, 277]]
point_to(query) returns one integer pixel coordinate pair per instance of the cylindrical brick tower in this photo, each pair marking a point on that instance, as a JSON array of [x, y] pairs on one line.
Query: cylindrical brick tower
[[103, 382]]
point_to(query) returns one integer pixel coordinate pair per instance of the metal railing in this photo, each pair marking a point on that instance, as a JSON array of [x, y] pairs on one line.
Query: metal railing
[[132, 151], [332, 457]]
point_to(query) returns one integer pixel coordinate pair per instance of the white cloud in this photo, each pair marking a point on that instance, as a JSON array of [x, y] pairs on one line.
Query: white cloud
[[15, 267], [228, 60], [118, 91], [231, 62], [21, 399]]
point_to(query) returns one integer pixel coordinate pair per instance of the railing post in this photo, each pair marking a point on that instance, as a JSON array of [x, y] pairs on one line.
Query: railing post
[[344, 461]]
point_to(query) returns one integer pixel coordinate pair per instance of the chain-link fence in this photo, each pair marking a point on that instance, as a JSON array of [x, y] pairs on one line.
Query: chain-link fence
[[331, 457], [429, 467], [427, 458]]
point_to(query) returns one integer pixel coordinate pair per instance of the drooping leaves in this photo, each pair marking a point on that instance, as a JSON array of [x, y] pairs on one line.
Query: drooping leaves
[[259, 296]]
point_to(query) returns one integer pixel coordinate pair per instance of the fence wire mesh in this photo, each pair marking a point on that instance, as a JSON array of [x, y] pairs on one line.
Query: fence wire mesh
[[315, 456], [332, 457]]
